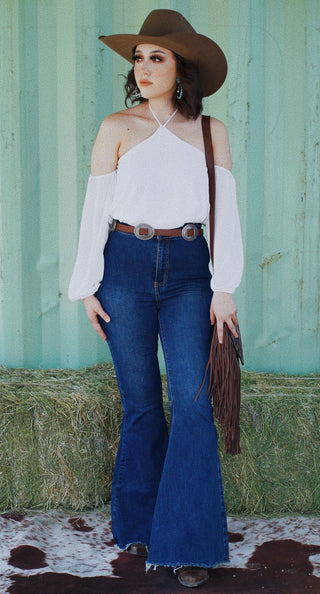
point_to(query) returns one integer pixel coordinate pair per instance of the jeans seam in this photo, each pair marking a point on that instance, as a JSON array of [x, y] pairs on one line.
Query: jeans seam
[[167, 365], [123, 459], [166, 272], [156, 282]]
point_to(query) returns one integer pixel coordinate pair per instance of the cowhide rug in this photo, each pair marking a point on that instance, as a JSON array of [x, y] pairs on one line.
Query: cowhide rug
[[53, 553]]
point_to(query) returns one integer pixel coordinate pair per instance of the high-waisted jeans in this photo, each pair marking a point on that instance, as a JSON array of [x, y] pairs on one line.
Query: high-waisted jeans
[[167, 490]]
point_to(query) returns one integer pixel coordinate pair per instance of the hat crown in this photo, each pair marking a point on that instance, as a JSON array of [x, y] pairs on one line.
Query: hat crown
[[165, 22]]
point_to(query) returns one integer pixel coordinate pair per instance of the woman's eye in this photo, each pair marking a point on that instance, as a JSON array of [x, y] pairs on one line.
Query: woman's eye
[[137, 58]]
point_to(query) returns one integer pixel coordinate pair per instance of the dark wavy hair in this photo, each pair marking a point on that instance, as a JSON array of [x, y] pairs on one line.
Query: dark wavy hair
[[190, 104]]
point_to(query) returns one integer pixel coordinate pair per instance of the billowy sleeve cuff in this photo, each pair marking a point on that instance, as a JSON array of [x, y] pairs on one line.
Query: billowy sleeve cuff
[[228, 250], [94, 231]]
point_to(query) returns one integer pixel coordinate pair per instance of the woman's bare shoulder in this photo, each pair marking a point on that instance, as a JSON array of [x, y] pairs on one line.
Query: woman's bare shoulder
[[115, 122], [112, 124], [105, 152], [220, 143], [115, 133], [218, 128]]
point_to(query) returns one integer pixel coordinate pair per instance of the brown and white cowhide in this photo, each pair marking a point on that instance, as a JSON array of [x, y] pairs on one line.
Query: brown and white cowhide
[[57, 554]]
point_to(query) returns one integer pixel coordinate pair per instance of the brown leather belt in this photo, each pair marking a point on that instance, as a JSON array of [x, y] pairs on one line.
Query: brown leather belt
[[189, 232]]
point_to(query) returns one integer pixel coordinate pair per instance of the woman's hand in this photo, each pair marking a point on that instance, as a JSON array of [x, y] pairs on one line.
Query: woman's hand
[[94, 309], [223, 309]]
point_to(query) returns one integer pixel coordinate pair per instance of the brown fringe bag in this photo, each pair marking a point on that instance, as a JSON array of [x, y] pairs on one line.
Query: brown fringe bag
[[223, 365]]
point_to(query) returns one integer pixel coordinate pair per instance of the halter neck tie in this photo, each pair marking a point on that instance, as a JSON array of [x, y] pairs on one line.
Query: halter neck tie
[[157, 120]]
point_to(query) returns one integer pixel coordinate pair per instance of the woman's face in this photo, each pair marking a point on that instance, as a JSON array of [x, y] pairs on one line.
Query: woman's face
[[155, 71]]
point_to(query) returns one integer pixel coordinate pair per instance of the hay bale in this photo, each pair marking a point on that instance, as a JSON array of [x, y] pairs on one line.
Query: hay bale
[[278, 471], [59, 432], [58, 437]]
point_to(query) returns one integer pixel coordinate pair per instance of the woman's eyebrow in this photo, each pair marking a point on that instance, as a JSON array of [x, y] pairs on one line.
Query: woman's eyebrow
[[156, 51]]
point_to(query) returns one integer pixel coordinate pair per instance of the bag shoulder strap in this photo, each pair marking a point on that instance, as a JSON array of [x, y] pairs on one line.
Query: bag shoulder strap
[[207, 138]]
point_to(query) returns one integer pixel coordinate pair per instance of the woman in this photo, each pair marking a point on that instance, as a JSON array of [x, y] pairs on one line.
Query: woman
[[148, 274]]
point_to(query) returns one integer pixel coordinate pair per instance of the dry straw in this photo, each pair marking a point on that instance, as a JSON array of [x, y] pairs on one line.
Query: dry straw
[[59, 432]]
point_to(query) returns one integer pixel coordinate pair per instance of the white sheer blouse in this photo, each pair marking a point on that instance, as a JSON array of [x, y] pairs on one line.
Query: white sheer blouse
[[163, 182]]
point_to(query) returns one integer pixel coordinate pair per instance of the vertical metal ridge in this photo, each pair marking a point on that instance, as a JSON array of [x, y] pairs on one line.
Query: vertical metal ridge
[[61, 82]]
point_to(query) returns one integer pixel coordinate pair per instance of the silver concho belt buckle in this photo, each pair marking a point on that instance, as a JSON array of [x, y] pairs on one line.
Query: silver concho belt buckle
[[189, 236], [143, 231]]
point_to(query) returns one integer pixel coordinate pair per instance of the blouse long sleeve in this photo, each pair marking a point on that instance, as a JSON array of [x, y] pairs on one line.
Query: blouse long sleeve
[[228, 251], [94, 231]]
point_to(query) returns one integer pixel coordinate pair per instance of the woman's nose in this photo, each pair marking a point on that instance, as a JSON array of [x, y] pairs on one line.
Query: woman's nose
[[146, 67]]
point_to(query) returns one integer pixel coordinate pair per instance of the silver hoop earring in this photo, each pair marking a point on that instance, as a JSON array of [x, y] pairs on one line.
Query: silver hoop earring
[[179, 90], [136, 93]]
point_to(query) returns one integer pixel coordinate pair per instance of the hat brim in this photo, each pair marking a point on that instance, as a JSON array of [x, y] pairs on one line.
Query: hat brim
[[193, 47]]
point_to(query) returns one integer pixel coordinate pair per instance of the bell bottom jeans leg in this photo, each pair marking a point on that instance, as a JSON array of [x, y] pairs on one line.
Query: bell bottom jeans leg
[[166, 494], [132, 337], [189, 523]]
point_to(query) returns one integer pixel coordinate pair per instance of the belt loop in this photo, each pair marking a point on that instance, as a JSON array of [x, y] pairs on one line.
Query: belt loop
[[112, 225]]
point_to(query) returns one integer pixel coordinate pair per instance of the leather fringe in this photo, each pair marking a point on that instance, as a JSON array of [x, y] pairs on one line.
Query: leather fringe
[[223, 364], [225, 388]]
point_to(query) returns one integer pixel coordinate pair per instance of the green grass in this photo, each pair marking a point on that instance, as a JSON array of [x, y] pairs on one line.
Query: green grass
[[59, 433]]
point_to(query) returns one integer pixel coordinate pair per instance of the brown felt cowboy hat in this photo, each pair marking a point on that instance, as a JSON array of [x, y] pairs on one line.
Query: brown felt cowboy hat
[[169, 29]]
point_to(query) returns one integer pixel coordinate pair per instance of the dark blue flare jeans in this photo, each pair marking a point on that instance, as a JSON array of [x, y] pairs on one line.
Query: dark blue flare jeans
[[167, 490]]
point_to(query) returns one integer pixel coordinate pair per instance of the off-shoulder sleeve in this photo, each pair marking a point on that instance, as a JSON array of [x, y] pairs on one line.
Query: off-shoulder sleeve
[[94, 231], [228, 251]]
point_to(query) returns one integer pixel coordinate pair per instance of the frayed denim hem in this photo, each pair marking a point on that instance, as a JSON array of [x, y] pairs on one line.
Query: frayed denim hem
[[177, 566]]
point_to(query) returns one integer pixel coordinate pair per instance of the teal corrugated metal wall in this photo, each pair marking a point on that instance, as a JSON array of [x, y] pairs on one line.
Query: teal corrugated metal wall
[[57, 84]]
